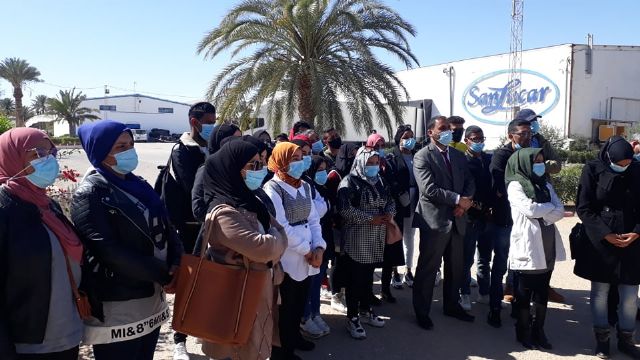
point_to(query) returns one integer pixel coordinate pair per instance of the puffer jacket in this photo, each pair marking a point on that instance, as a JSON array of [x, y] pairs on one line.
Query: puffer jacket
[[119, 258]]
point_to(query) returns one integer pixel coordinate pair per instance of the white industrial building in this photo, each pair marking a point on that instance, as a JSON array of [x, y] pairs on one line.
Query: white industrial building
[[579, 89], [138, 111]]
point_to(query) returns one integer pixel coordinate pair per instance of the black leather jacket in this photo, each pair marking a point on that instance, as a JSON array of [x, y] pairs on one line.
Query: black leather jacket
[[119, 257], [25, 273]]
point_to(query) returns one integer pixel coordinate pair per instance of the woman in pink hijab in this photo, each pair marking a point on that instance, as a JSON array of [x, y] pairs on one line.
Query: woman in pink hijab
[[40, 254]]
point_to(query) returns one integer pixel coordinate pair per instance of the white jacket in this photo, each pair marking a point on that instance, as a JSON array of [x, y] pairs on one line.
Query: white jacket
[[526, 251]]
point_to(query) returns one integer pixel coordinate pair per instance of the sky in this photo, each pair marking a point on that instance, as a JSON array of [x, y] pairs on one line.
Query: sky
[[150, 46]]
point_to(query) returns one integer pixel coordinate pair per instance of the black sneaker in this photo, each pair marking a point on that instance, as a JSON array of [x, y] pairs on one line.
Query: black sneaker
[[396, 281], [494, 319]]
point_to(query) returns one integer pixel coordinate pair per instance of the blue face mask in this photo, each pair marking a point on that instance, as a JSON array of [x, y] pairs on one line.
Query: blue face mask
[[306, 159], [637, 156], [321, 177], [46, 171], [535, 127], [517, 146], [126, 161], [254, 178], [371, 171], [539, 169], [317, 147], [296, 169], [446, 137], [476, 147], [409, 144], [206, 131], [617, 168], [380, 152]]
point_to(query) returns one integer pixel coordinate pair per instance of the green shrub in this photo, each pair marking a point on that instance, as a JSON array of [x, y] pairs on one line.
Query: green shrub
[[566, 183], [581, 157], [579, 143], [66, 140], [5, 124]]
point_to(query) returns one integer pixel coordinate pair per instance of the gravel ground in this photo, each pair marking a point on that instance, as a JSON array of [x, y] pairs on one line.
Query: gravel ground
[[568, 325]]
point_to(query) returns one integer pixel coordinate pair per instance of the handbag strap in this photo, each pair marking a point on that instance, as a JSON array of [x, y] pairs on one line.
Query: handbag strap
[[207, 230]]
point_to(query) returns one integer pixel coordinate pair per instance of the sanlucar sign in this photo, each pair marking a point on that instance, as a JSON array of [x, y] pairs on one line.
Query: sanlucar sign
[[489, 98]]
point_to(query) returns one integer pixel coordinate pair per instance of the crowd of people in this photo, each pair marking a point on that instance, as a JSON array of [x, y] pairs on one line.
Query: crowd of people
[[320, 216]]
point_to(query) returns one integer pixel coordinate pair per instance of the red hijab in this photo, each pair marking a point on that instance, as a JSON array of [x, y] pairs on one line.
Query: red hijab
[[14, 145]]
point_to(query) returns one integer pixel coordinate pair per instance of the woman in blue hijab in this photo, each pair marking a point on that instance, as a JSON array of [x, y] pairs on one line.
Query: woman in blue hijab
[[132, 252]]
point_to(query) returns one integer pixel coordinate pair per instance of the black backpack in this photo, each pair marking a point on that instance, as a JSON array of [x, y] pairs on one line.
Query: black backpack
[[170, 191]]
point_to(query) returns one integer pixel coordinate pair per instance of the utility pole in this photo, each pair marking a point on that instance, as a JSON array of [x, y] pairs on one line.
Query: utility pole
[[515, 54]]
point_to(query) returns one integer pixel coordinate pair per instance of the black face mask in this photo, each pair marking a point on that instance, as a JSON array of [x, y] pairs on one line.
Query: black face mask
[[457, 135], [335, 143]]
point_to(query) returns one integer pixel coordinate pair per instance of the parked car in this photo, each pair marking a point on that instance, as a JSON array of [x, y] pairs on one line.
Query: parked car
[[159, 135], [140, 135]]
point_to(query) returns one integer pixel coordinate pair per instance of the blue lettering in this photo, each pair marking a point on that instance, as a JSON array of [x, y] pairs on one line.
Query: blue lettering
[[543, 93], [502, 99], [472, 93]]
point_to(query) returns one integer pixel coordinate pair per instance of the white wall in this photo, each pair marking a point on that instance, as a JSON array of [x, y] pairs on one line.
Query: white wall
[[615, 73], [542, 69]]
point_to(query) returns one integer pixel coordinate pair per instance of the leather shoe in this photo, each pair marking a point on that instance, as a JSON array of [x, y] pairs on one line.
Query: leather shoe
[[425, 323], [459, 314]]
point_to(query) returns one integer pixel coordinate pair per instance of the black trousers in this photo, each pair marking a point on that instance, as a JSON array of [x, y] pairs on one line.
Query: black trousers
[[71, 354], [293, 296], [338, 273], [141, 348], [532, 287], [359, 286], [434, 246]]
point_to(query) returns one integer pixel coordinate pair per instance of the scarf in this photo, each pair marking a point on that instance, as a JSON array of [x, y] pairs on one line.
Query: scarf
[[362, 156], [280, 160], [520, 169], [220, 133], [344, 159], [13, 146]]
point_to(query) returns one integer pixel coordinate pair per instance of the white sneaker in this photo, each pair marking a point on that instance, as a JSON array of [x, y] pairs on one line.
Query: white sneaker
[[465, 302], [180, 351], [325, 294], [473, 283], [370, 318], [438, 279], [310, 329], [321, 324], [355, 329], [408, 279], [337, 303], [396, 281], [483, 299]]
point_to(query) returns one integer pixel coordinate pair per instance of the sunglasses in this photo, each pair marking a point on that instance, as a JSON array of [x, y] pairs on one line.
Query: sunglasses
[[41, 152]]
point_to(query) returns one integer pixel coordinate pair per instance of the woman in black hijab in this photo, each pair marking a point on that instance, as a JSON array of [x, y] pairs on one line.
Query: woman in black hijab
[[609, 256], [220, 133], [241, 227]]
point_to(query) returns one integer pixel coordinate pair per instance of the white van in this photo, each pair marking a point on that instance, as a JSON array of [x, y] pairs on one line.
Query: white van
[[140, 135]]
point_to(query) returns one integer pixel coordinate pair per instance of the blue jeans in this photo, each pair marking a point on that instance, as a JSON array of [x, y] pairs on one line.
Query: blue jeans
[[627, 307], [495, 240], [476, 230], [312, 306]]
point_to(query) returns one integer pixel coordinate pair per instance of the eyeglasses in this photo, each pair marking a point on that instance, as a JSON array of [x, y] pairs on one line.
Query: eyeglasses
[[523, 134], [257, 165], [477, 139], [42, 152]]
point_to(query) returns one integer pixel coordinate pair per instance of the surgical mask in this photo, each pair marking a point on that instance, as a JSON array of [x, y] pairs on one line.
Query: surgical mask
[[46, 171], [206, 131], [371, 171], [307, 162], [637, 156], [457, 135], [296, 169], [517, 146], [476, 147], [409, 144], [445, 137], [254, 178], [380, 152], [535, 127], [126, 161], [539, 169], [321, 177], [617, 168], [317, 147], [335, 143]]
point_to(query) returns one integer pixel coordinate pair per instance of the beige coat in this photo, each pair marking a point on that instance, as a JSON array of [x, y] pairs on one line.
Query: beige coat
[[237, 232]]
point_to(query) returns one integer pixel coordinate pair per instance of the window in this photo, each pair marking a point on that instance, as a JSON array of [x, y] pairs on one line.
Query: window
[[162, 110], [258, 123], [108, 107]]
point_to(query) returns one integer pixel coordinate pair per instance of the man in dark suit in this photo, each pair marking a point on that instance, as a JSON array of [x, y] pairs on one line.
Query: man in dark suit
[[446, 188]]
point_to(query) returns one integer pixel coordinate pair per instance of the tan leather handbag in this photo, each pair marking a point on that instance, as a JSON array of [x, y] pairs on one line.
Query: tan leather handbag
[[394, 234], [216, 302]]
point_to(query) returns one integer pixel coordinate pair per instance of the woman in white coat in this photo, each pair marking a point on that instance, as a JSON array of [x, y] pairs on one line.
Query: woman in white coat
[[535, 241]]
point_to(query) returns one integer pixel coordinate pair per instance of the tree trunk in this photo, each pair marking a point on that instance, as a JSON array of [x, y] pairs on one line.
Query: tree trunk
[[305, 100], [72, 128], [17, 94]]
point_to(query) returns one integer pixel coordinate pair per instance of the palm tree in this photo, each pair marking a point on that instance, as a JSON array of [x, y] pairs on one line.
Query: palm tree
[[39, 104], [7, 106], [27, 113], [67, 108], [310, 55], [17, 72]]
